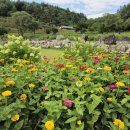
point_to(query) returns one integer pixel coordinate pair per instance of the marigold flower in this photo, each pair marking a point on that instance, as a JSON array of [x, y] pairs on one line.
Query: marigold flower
[[9, 83], [15, 117], [89, 70], [120, 84], [31, 85], [87, 79], [68, 103], [23, 97], [101, 89], [109, 99], [108, 68], [79, 122], [6, 93], [49, 125]]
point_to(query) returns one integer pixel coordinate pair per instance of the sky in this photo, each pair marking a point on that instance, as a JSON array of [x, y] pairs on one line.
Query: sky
[[91, 8]]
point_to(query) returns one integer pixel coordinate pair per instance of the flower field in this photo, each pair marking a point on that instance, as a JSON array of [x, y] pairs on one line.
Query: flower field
[[87, 89]]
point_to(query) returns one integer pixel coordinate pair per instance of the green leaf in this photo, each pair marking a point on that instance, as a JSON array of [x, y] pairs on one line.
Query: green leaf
[[19, 125], [124, 101], [72, 119]]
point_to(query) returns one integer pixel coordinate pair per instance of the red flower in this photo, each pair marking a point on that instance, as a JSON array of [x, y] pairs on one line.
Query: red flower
[[82, 67], [68, 103], [44, 70], [96, 59], [129, 90], [126, 66], [116, 59], [44, 88], [73, 79], [59, 65]]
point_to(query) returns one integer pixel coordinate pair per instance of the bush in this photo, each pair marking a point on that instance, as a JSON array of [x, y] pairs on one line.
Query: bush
[[17, 48], [3, 31], [48, 30], [54, 30]]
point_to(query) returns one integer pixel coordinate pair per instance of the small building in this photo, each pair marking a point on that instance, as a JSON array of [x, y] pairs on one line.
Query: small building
[[67, 27]]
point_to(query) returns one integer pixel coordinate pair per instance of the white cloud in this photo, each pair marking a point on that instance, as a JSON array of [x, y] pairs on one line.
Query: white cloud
[[92, 8]]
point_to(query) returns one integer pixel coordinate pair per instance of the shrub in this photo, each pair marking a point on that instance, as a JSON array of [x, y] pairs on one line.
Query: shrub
[[54, 30], [3, 31], [17, 48]]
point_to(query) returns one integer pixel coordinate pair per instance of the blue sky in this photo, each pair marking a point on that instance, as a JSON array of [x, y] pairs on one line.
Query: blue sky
[[91, 8]]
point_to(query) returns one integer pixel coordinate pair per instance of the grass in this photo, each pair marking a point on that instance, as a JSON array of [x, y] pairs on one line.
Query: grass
[[51, 53]]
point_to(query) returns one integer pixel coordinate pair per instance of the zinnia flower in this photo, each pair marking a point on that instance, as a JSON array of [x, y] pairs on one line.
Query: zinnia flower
[[109, 99], [15, 117], [23, 97], [31, 85], [120, 84], [9, 83], [116, 59], [44, 88], [108, 68], [129, 90], [87, 79], [101, 89], [82, 67], [112, 86], [68, 103], [89, 70], [96, 59], [6, 93], [49, 125]]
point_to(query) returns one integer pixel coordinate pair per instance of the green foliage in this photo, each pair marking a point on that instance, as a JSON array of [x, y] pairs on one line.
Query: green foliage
[[3, 31], [18, 48], [52, 83]]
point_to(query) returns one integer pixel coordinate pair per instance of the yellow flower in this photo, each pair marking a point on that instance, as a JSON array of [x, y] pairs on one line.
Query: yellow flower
[[15, 117], [118, 122], [32, 69], [121, 125], [23, 97], [79, 83], [6, 93], [31, 85], [69, 65], [79, 59], [87, 79], [24, 61], [120, 84], [108, 68], [89, 70], [101, 89], [109, 99], [14, 70], [49, 125], [79, 122], [9, 83]]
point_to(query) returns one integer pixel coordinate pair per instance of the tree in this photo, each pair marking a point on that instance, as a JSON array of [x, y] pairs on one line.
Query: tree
[[33, 26], [22, 21]]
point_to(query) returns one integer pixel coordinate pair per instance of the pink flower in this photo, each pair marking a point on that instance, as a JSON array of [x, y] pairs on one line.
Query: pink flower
[[68, 103], [44, 88], [96, 59], [112, 86], [82, 67], [116, 59]]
